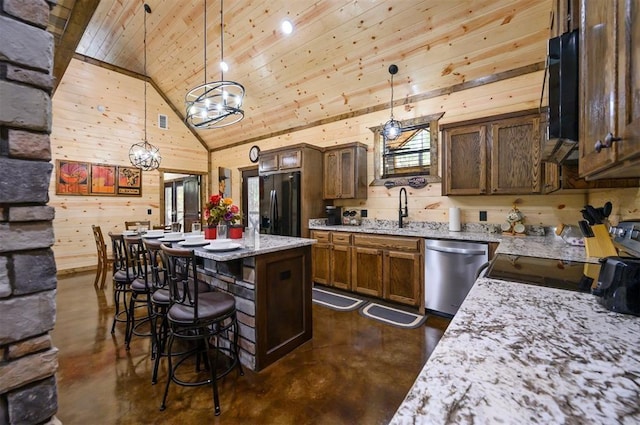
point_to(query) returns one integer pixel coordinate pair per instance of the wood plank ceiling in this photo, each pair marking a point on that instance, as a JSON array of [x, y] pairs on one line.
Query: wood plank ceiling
[[335, 64]]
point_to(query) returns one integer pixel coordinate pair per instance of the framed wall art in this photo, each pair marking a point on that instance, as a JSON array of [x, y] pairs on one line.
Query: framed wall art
[[72, 177], [103, 179], [86, 178], [129, 181]]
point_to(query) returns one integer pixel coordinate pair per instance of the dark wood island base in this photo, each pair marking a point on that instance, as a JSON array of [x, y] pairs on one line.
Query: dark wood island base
[[273, 299]]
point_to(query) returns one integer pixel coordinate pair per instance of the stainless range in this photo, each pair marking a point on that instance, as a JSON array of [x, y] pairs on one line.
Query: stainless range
[[626, 236]]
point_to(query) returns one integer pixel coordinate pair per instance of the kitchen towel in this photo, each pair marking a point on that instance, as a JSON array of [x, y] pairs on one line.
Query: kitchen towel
[[454, 219]]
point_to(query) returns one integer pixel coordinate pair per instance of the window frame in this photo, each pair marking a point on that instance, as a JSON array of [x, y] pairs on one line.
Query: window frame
[[433, 176]]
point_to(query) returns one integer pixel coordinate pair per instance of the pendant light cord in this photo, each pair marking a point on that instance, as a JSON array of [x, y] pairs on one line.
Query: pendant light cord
[[391, 96], [205, 41], [147, 9], [221, 40]]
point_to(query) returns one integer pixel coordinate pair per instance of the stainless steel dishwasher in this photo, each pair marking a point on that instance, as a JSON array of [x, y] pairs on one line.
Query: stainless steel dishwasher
[[450, 271]]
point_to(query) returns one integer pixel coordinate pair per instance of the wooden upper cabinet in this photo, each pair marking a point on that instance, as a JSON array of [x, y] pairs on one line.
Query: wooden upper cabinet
[[515, 156], [282, 160], [496, 155], [345, 172], [268, 162], [465, 157], [609, 81]]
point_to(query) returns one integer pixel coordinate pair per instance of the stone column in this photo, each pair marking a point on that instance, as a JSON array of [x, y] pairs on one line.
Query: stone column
[[28, 361]]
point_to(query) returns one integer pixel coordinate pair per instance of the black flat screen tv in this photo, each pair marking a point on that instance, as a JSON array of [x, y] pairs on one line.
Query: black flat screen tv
[[563, 87]]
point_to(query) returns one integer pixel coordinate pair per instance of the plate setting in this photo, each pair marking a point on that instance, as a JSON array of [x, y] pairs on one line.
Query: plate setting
[[222, 247], [172, 239], [200, 242]]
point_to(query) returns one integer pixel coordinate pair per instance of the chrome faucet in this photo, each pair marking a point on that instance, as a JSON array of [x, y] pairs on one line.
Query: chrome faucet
[[402, 214]]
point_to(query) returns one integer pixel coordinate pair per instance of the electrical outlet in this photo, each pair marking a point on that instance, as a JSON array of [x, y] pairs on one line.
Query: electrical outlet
[[483, 216], [149, 211], [363, 213]]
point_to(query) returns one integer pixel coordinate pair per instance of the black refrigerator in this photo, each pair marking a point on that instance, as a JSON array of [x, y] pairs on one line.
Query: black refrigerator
[[280, 204]]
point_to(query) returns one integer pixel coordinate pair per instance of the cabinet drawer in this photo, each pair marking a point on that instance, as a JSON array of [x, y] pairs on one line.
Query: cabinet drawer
[[341, 238], [387, 242], [320, 235], [292, 159]]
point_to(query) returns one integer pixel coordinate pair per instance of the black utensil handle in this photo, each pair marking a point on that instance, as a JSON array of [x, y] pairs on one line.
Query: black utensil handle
[[608, 206], [586, 230]]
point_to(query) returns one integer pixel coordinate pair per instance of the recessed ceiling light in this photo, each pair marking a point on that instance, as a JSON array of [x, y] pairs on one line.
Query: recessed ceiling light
[[287, 27]]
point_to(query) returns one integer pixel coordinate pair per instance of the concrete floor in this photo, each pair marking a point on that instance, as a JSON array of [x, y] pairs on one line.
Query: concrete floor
[[354, 371]]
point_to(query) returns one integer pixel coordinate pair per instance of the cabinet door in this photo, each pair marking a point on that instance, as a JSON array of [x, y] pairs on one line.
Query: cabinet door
[[598, 80], [402, 278], [515, 156], [320, 254], [339, 174], [320, 257], [629, 57], [341, 267], [331, 186], [268, 162], [465, 152], [347, 173], [367, 271], [292, 159]]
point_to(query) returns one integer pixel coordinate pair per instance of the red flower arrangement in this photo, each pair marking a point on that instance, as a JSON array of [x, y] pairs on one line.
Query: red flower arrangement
[[220, 209]]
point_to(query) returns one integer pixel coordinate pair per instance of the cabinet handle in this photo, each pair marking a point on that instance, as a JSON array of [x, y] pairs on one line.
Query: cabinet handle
[[609, 139]]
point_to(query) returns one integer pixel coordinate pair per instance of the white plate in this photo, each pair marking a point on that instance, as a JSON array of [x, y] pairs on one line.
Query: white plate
[[193, 243], [172, 239], [129, 233], [152, 236], [229, 247]]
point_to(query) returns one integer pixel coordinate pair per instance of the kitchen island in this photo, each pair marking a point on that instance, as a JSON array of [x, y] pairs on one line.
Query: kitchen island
[[272, 286], [516, 353]]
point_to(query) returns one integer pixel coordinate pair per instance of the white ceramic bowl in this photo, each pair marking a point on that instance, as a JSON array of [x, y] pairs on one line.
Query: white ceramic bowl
[[155, 233], [193, 238], [221, 243]]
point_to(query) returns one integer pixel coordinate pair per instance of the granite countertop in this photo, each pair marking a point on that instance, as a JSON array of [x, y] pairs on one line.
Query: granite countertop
[[517, 353], [264, 245], [547, 246]]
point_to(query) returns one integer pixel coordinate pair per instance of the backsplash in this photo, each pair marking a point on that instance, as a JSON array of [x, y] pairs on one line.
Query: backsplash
[[438, 226]]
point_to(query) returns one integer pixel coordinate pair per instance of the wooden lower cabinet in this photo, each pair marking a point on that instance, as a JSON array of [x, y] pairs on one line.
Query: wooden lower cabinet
[[387, 267], [340, 258], [320, 268], [402, 277], [366, 270]]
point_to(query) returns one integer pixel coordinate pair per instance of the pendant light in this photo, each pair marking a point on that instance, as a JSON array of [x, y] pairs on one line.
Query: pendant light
[[143, 154], [391, 129], [214, 104]]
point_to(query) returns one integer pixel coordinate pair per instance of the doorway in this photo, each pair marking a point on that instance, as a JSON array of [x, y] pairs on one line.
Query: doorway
[[182, 199]]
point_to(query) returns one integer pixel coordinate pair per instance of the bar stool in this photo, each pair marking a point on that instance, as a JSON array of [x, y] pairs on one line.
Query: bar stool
[[122, 277], [201, 317], [141, 289], [159, 301]]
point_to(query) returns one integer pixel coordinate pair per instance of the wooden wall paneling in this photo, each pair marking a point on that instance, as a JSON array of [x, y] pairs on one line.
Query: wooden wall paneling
[[80, 131], [427, 204], [626, 202]]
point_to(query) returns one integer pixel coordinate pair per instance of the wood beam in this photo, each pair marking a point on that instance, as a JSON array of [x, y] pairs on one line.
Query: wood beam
[[76, 25]]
